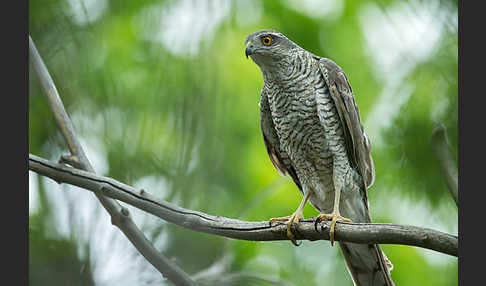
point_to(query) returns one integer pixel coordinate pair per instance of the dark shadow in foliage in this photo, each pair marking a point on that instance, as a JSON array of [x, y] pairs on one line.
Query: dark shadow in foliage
[[55, 261]]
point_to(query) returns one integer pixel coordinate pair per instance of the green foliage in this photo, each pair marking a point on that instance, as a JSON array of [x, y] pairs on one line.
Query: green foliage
[[184, 112], [53, 260]]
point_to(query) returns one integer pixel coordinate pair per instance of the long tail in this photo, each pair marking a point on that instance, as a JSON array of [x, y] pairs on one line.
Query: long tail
[[367, 264]]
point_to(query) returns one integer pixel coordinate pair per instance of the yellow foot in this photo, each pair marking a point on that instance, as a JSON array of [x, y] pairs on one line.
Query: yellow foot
[[275, 219], [290, 220], [333, 217]]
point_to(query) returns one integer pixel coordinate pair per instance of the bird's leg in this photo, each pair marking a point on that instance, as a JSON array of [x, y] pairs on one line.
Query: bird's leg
[[297, 215], [334, 216]]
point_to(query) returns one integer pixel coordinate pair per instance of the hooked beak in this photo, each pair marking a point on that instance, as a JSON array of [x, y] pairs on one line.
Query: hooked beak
[[249, 51]]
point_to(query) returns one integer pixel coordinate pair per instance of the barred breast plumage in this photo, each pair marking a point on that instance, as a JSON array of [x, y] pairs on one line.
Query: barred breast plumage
[[292, 100]]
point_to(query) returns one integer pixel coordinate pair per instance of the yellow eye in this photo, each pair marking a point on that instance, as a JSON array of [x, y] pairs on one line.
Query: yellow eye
[[267, 41]]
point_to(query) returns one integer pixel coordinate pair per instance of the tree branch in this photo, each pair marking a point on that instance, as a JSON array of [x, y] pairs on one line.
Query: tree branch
[[120, 216], [448, 169], [238, 229]]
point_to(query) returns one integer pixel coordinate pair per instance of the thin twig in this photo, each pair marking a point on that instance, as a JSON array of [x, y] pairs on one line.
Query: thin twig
[[120, 216], [447, 166], [369, 233]]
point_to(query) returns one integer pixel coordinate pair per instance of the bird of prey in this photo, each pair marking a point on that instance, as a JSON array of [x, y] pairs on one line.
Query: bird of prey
[[312, 132]]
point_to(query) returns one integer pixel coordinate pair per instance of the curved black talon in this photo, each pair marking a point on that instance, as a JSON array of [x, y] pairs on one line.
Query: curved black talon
[[317, 221], [292, 239], [296, 243]]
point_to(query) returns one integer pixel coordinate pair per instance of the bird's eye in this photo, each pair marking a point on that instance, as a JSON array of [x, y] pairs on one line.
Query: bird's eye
[[267, 41]]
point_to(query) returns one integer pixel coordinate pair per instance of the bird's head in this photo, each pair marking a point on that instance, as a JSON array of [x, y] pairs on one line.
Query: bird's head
[[268, 48]]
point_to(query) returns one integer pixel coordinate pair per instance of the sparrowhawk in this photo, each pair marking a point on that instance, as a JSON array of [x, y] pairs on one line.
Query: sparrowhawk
[[312, 132]]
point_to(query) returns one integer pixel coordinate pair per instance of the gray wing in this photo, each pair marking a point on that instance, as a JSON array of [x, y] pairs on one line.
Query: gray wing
[[358, 145], [367, 264], [278, 156]]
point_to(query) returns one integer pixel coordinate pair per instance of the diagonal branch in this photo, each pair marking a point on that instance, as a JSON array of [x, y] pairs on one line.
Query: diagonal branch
[[120, 216], [440, 146], [369, 233]]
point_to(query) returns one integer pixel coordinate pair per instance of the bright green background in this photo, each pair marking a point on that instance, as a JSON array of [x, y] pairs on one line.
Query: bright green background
[[163, 98]]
